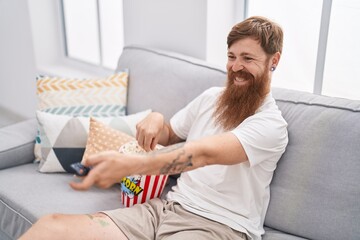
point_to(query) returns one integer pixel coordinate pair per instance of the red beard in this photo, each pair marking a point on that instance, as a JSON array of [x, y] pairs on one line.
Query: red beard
[[240, 102]]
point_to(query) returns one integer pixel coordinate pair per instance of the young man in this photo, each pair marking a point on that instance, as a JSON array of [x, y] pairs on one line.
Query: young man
[[234, 139]]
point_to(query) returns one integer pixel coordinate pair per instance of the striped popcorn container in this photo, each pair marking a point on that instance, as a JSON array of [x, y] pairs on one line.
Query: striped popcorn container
[[140, 188]]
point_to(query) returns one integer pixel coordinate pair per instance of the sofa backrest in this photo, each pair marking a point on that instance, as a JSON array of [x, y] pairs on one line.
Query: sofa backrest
[[315, 192], [165, 81]]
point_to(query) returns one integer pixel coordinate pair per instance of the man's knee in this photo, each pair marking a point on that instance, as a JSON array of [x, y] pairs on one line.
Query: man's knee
[[47, 227], [54, 217], [51, 222]]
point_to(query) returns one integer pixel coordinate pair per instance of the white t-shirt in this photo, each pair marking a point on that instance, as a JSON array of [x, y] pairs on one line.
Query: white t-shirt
[[236, 195]]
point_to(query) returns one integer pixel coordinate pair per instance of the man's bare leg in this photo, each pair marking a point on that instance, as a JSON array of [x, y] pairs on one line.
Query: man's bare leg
[[62, 226]]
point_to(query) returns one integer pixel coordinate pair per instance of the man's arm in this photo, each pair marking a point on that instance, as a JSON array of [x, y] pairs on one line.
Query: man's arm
[[111, 167], [224, 149]]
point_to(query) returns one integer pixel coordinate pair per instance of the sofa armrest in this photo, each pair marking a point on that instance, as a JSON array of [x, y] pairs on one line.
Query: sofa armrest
[[17, 143]]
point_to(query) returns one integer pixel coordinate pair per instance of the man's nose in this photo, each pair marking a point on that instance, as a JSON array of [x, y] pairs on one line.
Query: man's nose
[[237, 66]]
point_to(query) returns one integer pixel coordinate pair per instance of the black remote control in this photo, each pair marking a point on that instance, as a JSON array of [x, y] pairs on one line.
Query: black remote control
[[80, 170]]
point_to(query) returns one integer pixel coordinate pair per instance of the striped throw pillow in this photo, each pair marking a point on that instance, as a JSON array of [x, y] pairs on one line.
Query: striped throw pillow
[[104, 97]]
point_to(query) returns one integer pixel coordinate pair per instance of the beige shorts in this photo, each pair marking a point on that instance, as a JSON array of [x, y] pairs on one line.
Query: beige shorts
[[159, 219]]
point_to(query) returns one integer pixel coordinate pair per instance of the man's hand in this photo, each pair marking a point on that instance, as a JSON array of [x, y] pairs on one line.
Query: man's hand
[[150, 131], [107, 168]]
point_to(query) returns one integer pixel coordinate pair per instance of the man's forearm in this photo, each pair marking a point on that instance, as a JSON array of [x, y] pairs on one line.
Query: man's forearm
[[222, 149], [179, 159], [170, 160]]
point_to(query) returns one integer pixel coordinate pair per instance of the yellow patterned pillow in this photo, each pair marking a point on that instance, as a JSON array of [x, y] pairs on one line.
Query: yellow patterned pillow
[[104, 97]]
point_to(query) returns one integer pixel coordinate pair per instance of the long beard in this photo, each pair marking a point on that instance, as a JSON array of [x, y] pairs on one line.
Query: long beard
[[240, 102]]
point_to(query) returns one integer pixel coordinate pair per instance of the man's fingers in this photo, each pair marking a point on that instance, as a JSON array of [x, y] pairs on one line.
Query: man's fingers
[[154, 142], [140, 140], [85, 184], [147, 143], [87, 181], [77, 186]]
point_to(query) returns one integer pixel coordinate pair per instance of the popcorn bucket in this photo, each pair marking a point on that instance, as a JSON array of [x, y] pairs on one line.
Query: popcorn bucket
[[140, 188]]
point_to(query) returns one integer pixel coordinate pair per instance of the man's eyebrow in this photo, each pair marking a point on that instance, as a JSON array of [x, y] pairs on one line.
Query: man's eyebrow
[[247, 54], [242, 54]]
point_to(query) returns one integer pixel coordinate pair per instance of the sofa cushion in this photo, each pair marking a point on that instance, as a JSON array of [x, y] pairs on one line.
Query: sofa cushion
[[165, 81], [272, 234], [4, 236], [315, 190], [32, 195], [63, 138]]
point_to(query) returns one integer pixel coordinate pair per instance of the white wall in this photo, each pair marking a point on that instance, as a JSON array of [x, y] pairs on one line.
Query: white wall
[[177, 25], [197, 28], [46, 28], [220, 19], [17, 65]]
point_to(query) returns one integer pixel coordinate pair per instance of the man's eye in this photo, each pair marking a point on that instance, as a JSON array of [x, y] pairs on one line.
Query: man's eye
[[248, 59], [231, 57]]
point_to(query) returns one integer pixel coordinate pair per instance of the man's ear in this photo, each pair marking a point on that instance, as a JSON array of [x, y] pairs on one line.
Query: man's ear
[[274, 61]]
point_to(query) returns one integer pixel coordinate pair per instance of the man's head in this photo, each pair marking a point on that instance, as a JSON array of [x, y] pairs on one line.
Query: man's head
[[267, 33], [254, 50]]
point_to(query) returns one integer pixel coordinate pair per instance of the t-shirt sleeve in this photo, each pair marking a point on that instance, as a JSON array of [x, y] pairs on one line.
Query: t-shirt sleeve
[[263, 136], [183, 120]]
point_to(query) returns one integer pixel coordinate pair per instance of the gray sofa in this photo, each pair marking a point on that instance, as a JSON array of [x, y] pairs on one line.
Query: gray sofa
[[315, 192]]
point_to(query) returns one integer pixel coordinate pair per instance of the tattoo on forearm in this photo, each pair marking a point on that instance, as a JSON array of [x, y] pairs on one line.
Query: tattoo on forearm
[[177, 165], [169, 148]]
